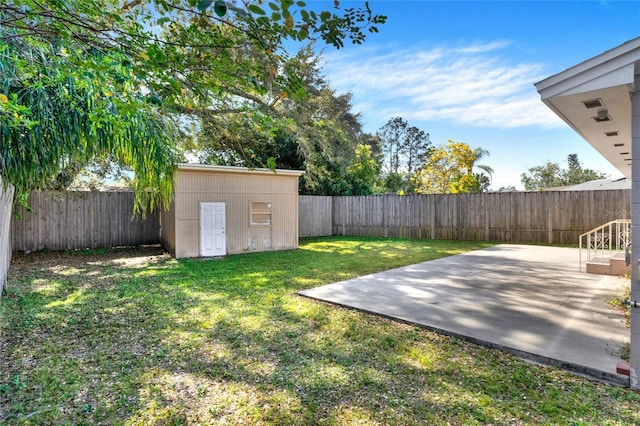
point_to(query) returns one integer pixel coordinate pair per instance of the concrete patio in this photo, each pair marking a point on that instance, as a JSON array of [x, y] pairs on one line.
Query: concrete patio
[[528, 300]]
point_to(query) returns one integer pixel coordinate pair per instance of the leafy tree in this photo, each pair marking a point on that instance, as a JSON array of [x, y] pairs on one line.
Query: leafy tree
[[317, 132], [417, 146], [363, 172], [392, 135], [551, 175], [576, 174], [52, 123], [484, 176], [117, 74], [375, 143], [404, 147], [394, 183], [450, 169], [484, 180], [404, 150], [540, 177]]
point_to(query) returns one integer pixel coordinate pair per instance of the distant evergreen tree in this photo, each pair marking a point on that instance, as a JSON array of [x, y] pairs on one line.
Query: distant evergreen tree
[[551, 175], [404, 150]]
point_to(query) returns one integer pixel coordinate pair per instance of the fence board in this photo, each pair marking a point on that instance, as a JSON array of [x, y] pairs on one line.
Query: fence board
[[77, 220], [315, 214], [82, 219], [547, 217]]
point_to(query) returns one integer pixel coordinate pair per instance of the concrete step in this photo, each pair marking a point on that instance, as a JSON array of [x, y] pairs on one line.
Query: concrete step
[[608, 266]]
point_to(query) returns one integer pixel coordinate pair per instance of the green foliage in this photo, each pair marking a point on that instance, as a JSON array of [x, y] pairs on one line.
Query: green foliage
[[394, 183], [363, 172], [404, 149], [450, 170], [326, 130], [391, 135], [551, 175], [89, 79], [540, 177], [576, 174], [622, 302], [316, 132], [70, 119]]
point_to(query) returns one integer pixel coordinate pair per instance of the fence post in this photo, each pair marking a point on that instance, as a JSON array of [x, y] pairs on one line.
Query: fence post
[[487, 219], [432, 215], [550, 215]]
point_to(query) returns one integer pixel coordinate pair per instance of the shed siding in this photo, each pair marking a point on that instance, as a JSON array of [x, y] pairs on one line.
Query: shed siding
[[237, 191], [168, 229], [228, 183]]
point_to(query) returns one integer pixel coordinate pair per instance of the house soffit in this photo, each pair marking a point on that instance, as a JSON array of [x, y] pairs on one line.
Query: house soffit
[[594, 98]]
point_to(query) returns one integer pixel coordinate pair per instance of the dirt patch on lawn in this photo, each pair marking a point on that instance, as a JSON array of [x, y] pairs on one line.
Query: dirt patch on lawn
[[23, 263]]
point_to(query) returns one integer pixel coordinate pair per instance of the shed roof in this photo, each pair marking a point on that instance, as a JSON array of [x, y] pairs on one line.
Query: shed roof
[[593, 98], [239, 170]]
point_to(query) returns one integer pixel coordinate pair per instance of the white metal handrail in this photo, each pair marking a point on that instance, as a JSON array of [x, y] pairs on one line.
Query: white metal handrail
[[606, 240]]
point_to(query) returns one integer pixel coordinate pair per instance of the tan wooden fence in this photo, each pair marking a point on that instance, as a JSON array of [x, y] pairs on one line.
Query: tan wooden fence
[[6, 203], [78, 220], [547, 217], [315, 214], [81, 220]]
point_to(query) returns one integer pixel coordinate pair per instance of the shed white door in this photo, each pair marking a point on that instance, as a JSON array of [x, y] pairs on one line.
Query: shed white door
[[212, 229]]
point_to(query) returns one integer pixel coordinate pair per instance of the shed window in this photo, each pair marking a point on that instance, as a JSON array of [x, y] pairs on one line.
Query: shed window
[[260, 213]]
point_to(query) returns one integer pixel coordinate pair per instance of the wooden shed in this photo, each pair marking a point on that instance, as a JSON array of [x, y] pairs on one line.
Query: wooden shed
[[219, 210]]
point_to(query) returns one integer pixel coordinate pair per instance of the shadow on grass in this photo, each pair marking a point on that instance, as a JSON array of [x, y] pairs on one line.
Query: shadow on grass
[[140, 338]]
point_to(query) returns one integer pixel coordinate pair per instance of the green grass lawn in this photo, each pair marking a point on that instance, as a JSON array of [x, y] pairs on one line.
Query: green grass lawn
[[135, 337]]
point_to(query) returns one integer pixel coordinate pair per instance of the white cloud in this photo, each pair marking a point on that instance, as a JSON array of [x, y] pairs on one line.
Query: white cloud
[[469, 85], [484, 47]]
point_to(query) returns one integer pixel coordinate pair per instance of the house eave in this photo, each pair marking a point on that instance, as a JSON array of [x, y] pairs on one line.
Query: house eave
[[609, 79], [614, 61]]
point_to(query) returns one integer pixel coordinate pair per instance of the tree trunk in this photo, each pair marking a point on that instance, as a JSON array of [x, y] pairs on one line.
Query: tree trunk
[[6, 212]]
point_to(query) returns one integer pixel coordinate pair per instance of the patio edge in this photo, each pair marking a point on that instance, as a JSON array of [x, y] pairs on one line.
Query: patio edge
[[581, 370]]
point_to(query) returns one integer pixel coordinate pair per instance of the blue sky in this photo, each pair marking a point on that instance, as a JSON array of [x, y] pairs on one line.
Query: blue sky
[[465, 70]]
